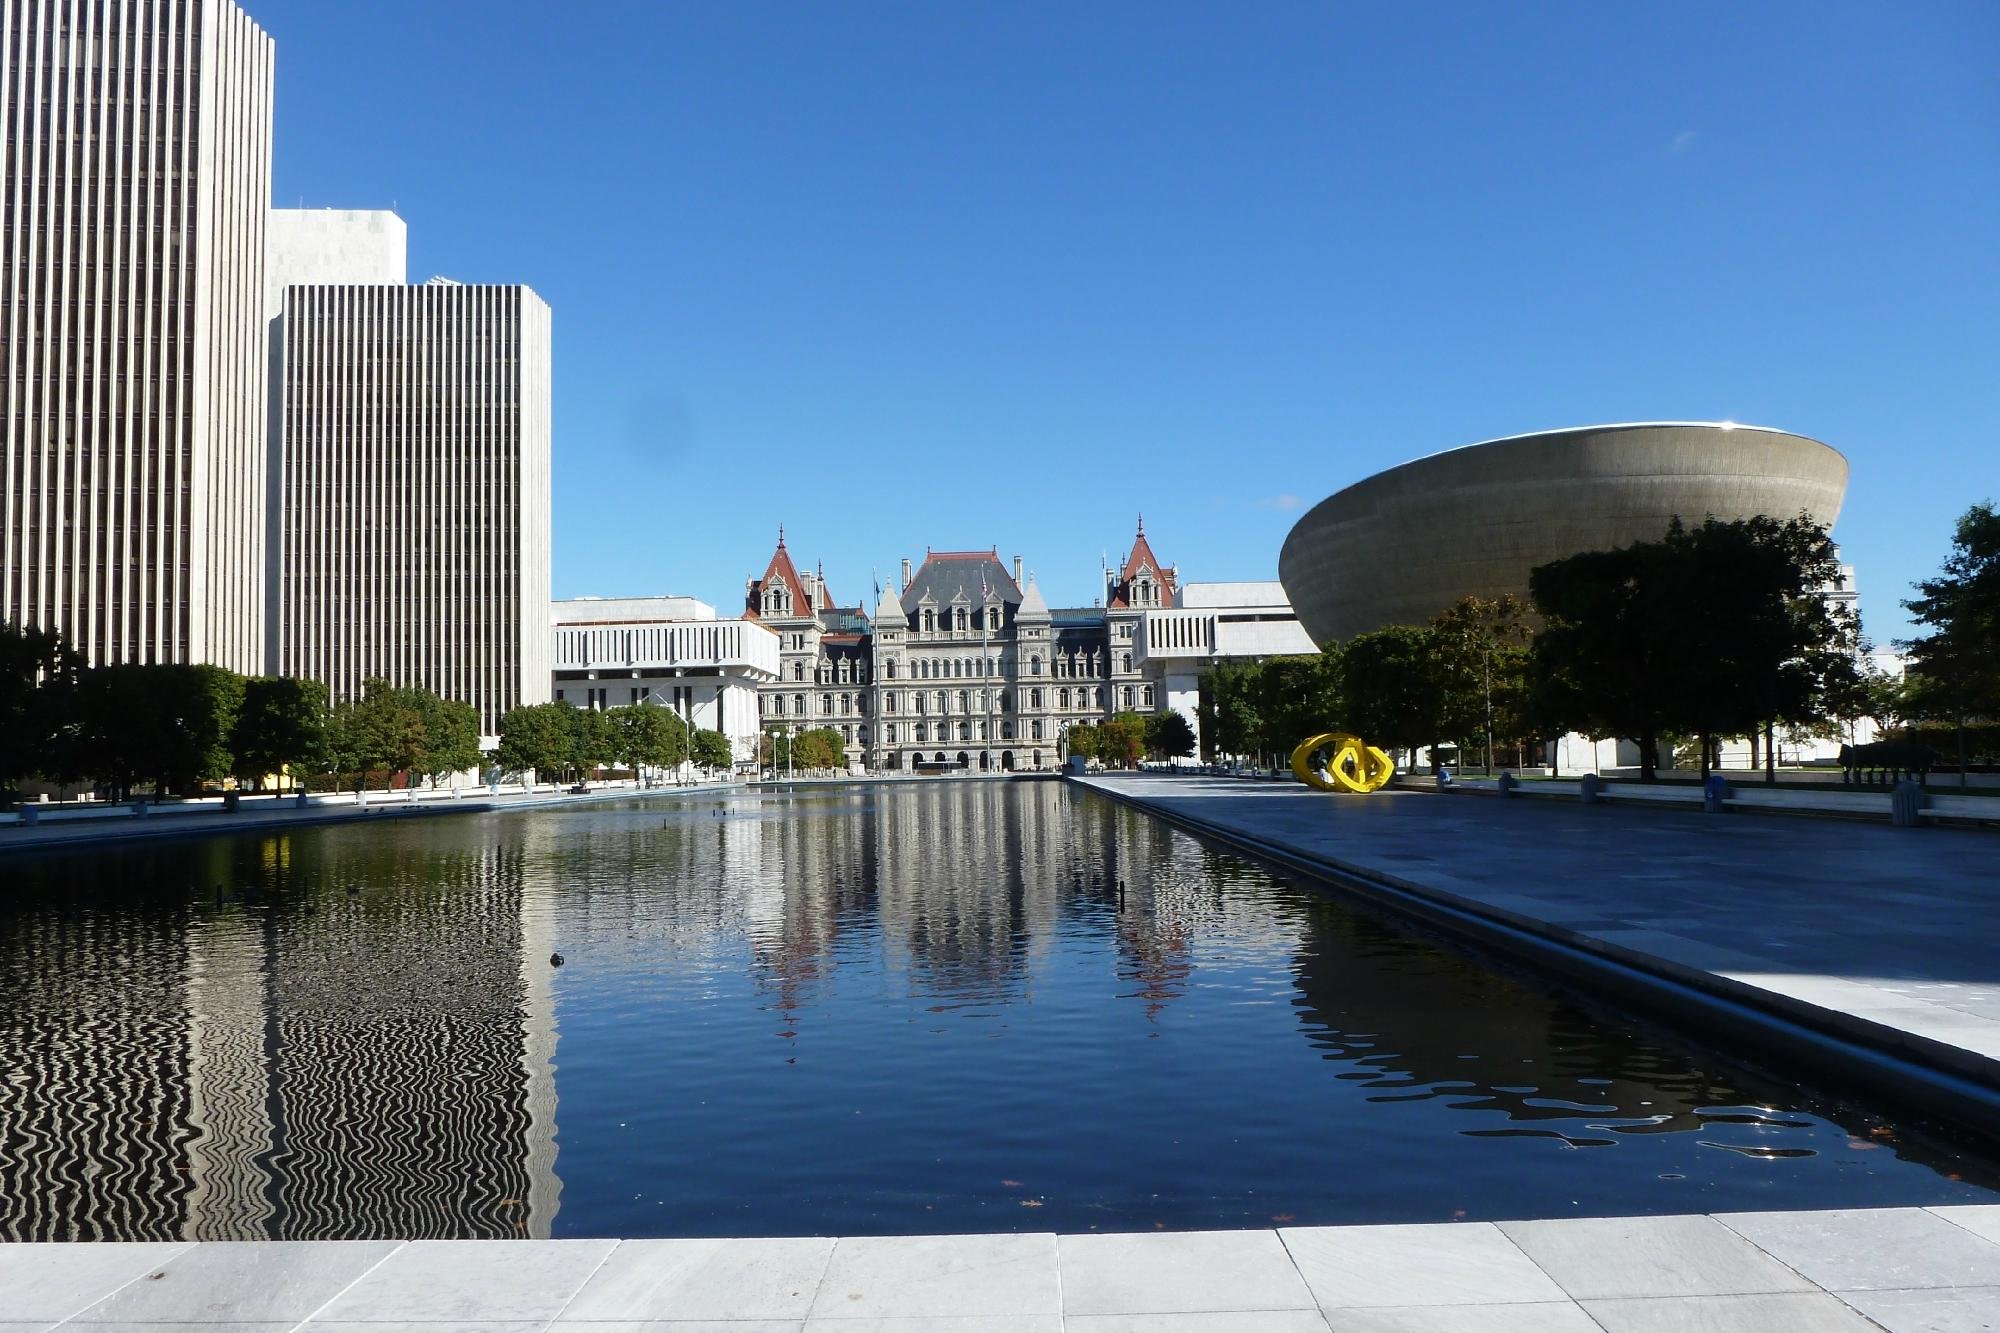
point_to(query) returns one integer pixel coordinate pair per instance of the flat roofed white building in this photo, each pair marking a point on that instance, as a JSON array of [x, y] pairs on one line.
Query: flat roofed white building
[[669, 651], [135, 157], [307, 247], [413, 496], [1209, 623]]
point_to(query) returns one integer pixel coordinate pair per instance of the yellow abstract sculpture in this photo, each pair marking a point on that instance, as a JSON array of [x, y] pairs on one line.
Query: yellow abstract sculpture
[[1352, 764]]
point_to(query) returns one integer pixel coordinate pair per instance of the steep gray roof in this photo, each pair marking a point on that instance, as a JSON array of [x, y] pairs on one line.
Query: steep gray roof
[[946, 575]]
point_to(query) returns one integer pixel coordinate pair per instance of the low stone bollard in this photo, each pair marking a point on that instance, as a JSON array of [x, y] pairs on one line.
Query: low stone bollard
[[1714, 793], [139, 808], [231, 802], [1904, 803], [1593, 788], [1508, 783], [30, 816], [299, 802]]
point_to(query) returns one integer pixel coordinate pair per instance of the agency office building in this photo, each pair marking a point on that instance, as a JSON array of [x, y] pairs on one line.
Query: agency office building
[[133, 202], [411, 510], [233, 435]]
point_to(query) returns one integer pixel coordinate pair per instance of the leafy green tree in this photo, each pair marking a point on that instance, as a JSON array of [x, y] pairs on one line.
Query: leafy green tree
[[1396, 688], [1711, 631], [37, 671], [382, 730], [712, 750], [1289, 699], [819, 748], [451, 735], [536, 737], [1229, 721], [1084, 740], [1481, 648], [1606, 661], [647, 735], [774, 749], [167, 724], [1954, 670], [1169, 735], [281, 726], [593, 739], [1121, 740]]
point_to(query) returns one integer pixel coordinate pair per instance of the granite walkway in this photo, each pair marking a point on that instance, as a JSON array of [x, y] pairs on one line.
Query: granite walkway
[[1898, 1269], [1884, 938]]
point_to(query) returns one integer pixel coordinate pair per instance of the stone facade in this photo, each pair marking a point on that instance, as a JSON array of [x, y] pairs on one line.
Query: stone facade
[[962, 667]]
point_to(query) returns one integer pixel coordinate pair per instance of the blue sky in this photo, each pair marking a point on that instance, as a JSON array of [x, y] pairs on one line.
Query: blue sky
[[966, 274]]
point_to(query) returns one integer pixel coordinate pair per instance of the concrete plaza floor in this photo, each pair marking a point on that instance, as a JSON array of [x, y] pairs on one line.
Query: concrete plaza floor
[[1899, 1269], [1887, 937]]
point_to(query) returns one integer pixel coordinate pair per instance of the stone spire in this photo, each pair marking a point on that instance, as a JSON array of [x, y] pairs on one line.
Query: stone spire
[[1032, 607]]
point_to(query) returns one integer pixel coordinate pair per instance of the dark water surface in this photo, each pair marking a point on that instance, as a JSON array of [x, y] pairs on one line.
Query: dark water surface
[[896, 1009]]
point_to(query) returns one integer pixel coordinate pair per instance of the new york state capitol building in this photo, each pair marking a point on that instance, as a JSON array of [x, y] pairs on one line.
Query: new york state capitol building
[[964, 666]]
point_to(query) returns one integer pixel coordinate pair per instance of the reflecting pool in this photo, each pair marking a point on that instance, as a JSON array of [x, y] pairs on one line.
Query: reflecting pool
[[946, 1006]]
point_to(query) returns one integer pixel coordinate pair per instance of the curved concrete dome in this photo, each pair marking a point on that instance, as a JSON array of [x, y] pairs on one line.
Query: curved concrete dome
[[1405, 544]]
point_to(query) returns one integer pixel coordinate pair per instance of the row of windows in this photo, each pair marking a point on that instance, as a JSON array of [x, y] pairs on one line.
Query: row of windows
[[921, 702]]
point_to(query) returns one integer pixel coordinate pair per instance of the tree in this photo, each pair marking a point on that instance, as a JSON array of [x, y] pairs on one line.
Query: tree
[[167, 724], [712, 750], [1229, 721], [1169, 735], [1481, 648], [1954, 670], [774, 750], [819, 748], [593, 740], [37, 670], [382, 730], [535, 737], [1084, 741], [1396, 688], [1122, 740], [281, 726], [1711, 631], [647, 735], [451, 735]]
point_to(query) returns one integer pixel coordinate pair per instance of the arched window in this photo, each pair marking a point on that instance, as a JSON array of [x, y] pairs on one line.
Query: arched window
[[798, 671], [961, 702], [1034, 698], [1062, 699], [825, 705], [889, 669], [1147, 695], [847, 701], [923, 733], [798, 704], [993, 617], [1125, 661], [1128, 697], [1035, 665], [930, 620]]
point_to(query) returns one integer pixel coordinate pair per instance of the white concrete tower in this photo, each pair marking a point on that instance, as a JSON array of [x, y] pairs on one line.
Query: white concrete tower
[[413, 495], [135, 179]]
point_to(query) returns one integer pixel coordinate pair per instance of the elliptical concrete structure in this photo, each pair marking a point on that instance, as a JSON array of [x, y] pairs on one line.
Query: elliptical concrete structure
[[1404, 544]]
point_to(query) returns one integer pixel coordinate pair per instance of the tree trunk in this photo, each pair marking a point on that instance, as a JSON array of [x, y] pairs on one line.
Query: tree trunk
[[1706, 751], [1770, 754], [1649, 755]]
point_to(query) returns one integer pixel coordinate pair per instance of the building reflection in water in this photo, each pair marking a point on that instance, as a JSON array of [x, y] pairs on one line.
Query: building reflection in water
[[213, 1041], [988, 1000]]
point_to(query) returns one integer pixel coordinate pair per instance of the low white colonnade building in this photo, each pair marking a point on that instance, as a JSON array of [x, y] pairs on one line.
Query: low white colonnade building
[[611, 652], [1210, 623]]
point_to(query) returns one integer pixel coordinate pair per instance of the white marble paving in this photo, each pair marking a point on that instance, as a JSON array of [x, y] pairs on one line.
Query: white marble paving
[[1879, 1268]]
